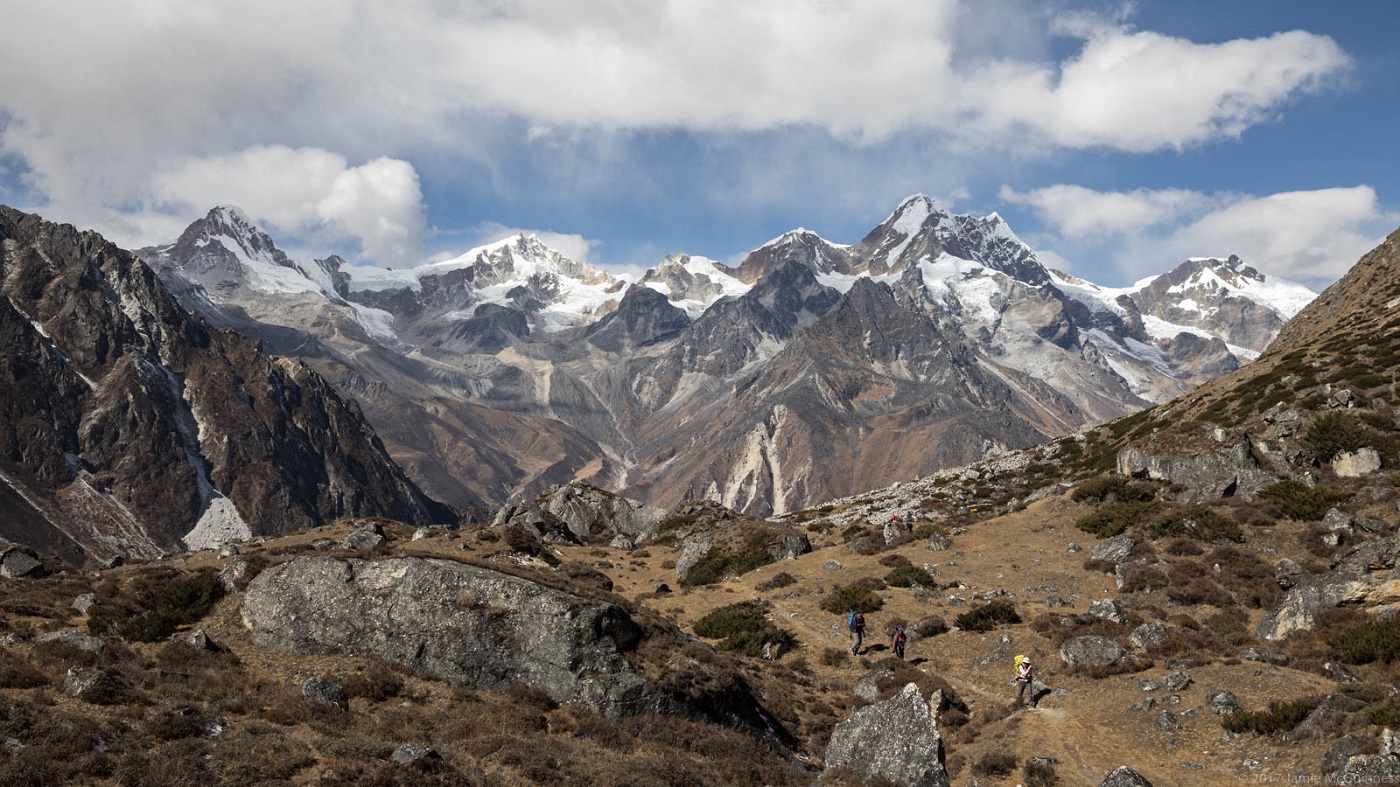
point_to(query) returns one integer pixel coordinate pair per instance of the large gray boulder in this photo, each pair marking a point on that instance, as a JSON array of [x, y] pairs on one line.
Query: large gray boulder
[[465, 624], [896, 740], [1091, 651], [1366, 576], [1205, 476]]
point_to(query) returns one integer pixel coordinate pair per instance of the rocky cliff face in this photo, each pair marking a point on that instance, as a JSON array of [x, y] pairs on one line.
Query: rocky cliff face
[[127, 424]]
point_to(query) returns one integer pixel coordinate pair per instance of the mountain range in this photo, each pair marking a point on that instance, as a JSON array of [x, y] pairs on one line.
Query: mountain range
[[811, 370]]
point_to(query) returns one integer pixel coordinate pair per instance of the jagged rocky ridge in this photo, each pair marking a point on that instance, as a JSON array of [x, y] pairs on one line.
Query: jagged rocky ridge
[[129, 426], [810, 371]]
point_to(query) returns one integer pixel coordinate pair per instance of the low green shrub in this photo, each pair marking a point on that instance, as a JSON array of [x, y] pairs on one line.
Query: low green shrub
[[1199, 523], [988, 616], [744, 628], [1280, 717], [160, 608], [1296, 500], [1112, 519], [1103, 488], [781, 579], [854, 596], [1334, 433], [719, 564], [1387, 714], [908, 576], [1372, 641]]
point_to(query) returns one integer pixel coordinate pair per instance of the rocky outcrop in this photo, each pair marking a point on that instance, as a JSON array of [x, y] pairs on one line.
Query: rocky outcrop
[[718, 541], [591, 513], [896, 741], [465, 624], [1227, 472], [1365, 576]]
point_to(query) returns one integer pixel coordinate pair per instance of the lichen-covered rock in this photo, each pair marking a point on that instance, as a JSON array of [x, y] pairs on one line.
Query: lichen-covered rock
[[1147, 635], [1355, 464], [1287, 573], [96, 687], [896, 741], [74, 639], [1223, 702], [85, 602], [1366, 576], [1123, 776], [465, 624], [1108, 609], [325, 692], [1113, 550], [1091, 651]]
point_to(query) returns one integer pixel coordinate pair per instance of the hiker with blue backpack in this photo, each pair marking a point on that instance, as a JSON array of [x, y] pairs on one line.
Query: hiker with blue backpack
[[855, 621]]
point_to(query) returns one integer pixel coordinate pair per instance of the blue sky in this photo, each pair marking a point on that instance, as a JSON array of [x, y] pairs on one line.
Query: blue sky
[[1117, 139]]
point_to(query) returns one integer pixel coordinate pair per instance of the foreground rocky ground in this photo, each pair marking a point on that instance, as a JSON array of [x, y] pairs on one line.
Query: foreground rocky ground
[[366, 652]]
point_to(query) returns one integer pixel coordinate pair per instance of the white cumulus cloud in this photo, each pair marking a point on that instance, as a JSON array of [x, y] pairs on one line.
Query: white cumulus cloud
[[310, 193], [1310, 236]]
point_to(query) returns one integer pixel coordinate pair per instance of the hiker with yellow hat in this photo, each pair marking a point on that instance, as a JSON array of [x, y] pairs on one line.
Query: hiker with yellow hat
[[1024, 677]]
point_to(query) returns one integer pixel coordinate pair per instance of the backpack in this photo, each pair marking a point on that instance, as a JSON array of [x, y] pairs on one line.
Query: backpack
[[899, 637], [851, 619]]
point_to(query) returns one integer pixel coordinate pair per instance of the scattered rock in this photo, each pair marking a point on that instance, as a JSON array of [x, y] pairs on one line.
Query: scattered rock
[[409, 754], [420, 534], [1362, 462], [1091, 651], [75, 639], [1287, 573], [895, 530], [1073, 548], [867, 687], [1265, 656], [11, 746], [19, 563], [325, 692], [938, 542], [1148, 684], [1177, 681], [364, 539], [1147, 635], [831, 565], [97, 687], [1339, 673], [1144, 706], [621, 541], [228, 549], [1222, 703], [1108, 609], [1336, 519], [999, 651], [198, 640], [1168, 721], [1123, 776], [233, 573], [1338, 754], [1113, 550], [896, 741], [85, 602]]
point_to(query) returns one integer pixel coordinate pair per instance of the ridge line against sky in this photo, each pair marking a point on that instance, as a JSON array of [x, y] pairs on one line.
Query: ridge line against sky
[[1116, 139]]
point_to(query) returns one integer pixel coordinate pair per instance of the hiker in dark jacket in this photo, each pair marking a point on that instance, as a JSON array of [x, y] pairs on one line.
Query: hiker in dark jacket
[[855, 621]]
